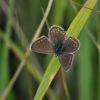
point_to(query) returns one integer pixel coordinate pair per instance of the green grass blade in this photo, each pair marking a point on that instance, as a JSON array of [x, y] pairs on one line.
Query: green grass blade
[[57, 15], [99, 70], [49, 75], [81, 18], [74, 30], [85, 68], [20, 54], [98, 40], [4, 50]]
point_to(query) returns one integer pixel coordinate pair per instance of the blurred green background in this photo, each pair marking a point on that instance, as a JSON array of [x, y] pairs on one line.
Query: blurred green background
[[19, 19]]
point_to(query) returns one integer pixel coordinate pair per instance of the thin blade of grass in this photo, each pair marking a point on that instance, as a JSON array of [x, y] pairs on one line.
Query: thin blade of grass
[[28, 51], [49, 75], [85, 81], [31, 67], [4, 58], [99, 70], [74, 30], [85, 68], [98, 41], [57, 15], [81, 18]]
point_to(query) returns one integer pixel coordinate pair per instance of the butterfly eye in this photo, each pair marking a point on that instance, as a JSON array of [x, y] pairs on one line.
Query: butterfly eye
[[56, 33], [43, 45]]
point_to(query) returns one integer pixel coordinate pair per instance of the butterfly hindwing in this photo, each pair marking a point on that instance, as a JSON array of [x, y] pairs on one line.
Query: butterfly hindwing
[[42, 45], [66, 60], [72, 45], [56, 34]]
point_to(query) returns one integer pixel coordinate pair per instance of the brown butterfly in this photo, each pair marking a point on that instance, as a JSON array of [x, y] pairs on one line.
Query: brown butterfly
[[57, 43]]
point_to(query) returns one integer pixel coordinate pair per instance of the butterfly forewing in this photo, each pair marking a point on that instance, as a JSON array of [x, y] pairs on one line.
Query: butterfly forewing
[[66, 61], [42, 45], [72, 45], [56, 34]]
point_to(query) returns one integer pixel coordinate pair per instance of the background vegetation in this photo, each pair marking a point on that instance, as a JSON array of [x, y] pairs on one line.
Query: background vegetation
[[22, 71]]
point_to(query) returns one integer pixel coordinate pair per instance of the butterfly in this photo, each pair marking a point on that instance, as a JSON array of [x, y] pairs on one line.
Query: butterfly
[[57, 43]]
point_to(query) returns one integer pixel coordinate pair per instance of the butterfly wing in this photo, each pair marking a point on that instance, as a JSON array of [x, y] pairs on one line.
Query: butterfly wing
[[72, 45], [42, 45], [56, 33], [66, 60]]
